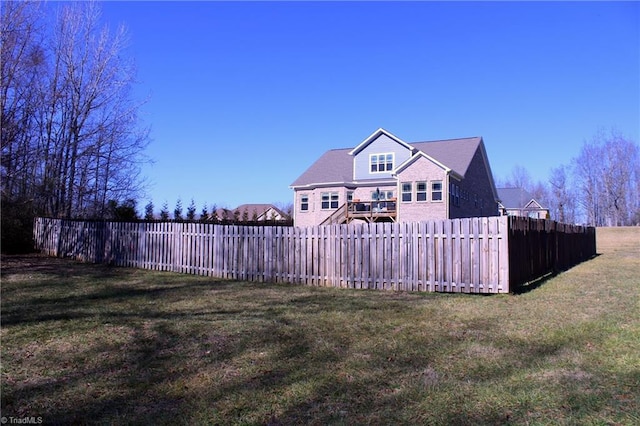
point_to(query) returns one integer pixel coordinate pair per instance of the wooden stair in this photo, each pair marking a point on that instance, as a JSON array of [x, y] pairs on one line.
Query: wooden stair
[[338, 217]]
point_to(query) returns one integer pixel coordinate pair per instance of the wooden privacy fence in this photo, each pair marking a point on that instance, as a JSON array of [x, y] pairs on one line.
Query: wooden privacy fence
[[541, 247], [471, 255]]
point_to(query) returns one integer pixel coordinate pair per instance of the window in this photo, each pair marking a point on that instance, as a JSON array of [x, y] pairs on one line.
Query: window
[[304, 202], [421, 191], [381, 163], [436, 190], [349, 196], [325, 200], [329, 200], [454, 194], [406, 191]]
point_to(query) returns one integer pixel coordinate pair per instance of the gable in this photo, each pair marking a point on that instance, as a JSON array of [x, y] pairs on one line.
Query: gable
[[375, 136], [465, 158], [456, 154], [421, 159], [533, 204], [343, 167], [421, 167], [271, 213], [370, 151]]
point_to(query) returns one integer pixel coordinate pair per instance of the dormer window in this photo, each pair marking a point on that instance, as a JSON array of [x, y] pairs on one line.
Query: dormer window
[[381, 163]]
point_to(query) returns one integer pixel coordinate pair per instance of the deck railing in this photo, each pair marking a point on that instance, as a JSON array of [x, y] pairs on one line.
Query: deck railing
[[372, 211]]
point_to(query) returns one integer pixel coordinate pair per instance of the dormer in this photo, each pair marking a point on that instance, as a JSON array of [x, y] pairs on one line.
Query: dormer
[[379, 155]]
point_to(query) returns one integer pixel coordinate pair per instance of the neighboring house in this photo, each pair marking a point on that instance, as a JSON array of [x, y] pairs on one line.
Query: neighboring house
[[260, 212], [387, 179], [222, 214], [518, 202]]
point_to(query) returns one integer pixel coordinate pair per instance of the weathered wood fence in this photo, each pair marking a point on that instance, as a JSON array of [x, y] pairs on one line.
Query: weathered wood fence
[[474, 255], [542, 247]]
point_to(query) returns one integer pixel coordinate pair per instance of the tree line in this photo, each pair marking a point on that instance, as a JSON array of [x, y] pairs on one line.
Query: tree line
[[600, 186], [72, 143], [213, 215]]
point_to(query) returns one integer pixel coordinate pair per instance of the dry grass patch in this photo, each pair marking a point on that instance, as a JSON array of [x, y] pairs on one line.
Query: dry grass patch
[[88, 343]]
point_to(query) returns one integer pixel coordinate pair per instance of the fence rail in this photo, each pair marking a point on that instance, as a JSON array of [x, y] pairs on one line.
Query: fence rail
[[474, 255]]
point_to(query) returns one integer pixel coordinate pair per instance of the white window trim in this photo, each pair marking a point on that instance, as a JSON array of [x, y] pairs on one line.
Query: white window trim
[[426, 191], [393, 162], [403, 192], [308, 203], [331, 194], [442, 192]]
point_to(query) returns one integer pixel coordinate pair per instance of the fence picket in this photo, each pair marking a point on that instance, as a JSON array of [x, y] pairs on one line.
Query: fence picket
[[472, 255]]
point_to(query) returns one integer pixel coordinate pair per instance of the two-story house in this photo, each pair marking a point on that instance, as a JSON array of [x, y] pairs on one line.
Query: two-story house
[[387, 179]]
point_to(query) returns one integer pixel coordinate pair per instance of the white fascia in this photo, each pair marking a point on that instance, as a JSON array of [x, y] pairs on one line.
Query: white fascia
[[419, 154], [376, 134], [320, 185]]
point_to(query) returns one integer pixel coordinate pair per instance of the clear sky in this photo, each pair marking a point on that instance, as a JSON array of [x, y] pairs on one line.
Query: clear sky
[[243, 97]]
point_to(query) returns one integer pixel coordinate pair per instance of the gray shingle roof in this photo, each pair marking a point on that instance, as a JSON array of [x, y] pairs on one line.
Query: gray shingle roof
[[453, 153], [514, 198], [336, 165]]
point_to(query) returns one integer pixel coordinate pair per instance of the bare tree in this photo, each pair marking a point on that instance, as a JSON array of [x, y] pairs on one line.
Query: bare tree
[[620, 173], [97, 136], [607, 173], [22, 63], [561, 197], [285, 207], [519, 178], [589, 182], [71, 141]]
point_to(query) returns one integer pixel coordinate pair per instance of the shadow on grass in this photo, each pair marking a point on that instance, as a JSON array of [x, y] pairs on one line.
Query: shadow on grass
[[36, 309], [50, 266], [532, 285], [194, 350]]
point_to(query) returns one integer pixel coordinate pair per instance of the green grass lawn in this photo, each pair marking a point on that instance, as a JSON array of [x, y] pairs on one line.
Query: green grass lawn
[[86, 343]]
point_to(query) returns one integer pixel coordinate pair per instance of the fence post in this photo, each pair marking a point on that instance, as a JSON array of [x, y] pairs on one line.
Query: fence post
[[495, 254]]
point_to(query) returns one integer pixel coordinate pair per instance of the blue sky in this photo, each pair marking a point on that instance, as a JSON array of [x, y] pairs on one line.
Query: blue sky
[[243, 97]]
